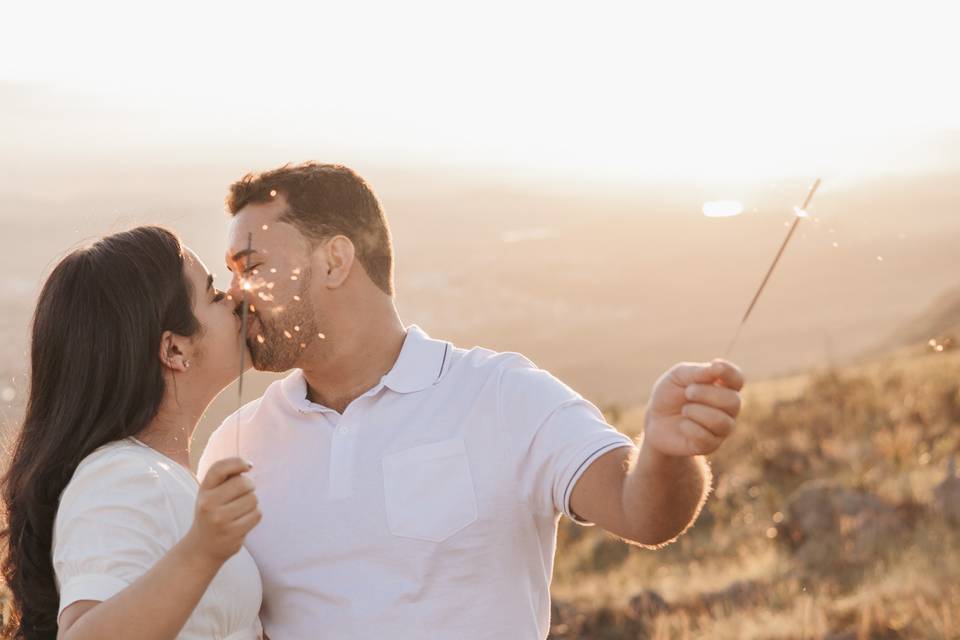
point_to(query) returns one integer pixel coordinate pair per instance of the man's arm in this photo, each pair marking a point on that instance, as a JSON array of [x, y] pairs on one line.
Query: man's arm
[[651, 494]]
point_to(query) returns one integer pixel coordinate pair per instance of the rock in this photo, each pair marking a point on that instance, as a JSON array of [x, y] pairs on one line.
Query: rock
[[741, 594], [647, 605], [737, 595], [946, 496], [608, 553], [826, 523]]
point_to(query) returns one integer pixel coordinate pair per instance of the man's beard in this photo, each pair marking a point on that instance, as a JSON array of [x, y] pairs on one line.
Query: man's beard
[[285, 335]]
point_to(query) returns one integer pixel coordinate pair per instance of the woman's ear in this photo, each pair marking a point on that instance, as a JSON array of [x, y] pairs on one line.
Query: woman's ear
[[173, 352]]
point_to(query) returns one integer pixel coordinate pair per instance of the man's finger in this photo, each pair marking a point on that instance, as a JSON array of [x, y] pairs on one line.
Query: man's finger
[[727, 400], [700, 441], [717, 422], [222, 470], [687, 373], [721, 371], [728, 374]]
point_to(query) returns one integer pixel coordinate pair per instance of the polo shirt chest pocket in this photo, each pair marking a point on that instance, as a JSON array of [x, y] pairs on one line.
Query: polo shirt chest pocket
[[429, 491]]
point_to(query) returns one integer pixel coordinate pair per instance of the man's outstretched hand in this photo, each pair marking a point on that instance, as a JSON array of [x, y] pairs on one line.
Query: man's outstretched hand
[[693, 408]]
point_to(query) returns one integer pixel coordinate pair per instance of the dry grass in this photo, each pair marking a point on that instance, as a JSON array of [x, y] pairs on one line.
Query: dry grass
[[885, 430]]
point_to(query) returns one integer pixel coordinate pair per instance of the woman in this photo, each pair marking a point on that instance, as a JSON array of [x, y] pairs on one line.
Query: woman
[[108, 533]]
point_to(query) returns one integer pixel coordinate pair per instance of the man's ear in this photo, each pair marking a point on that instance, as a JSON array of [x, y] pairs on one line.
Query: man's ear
[[172, 352], [339, 254]]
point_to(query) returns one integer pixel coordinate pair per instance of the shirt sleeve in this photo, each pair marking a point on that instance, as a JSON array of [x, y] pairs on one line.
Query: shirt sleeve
[[554, 435], [113, 524]]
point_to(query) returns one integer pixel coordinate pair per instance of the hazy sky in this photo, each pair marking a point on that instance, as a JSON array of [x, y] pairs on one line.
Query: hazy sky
[[669, 89]]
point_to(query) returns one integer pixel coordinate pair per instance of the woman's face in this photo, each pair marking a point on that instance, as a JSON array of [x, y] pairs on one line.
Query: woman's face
[[216, 347]]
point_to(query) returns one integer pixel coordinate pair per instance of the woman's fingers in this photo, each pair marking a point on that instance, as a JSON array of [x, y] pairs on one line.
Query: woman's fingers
[[239, 507], [232, 489], [220, 471], [246, 522]]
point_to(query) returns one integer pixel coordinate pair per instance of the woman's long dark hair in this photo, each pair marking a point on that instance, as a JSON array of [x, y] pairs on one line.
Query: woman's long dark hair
[[95, 377]]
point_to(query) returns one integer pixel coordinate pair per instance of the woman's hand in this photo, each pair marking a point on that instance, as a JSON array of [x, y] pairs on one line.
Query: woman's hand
[[226, 511]]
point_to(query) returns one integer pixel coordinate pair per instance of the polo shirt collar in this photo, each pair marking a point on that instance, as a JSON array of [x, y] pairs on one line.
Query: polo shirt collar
[[419, 366], [420, 363]]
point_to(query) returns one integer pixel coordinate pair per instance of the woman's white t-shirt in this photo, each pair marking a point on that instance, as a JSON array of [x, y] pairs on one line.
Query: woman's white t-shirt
[[124, 508]]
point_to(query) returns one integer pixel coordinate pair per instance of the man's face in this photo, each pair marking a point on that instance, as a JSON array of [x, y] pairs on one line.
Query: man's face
[[271, 266]]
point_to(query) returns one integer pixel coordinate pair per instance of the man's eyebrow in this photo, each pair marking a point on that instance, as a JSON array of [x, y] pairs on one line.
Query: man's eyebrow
[[242, 254]]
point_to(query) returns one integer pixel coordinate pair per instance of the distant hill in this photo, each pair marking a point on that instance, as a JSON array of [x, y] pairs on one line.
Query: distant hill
[[938, 321]]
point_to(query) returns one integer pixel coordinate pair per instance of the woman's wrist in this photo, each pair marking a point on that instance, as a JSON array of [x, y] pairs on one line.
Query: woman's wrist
[[195, 556]]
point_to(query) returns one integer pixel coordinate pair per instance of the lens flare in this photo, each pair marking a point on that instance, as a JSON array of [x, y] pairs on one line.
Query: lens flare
[[722, 208]]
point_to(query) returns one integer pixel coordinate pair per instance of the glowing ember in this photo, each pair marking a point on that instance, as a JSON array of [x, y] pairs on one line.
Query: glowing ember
[[296, 327], [253, 309], [321, 336], [288, 334], [879, 258], [265, 227], [297, 298], [303, 345], [269, 285], [294, 278], [273, 193], [938, 346], [260, 339], [722, 209], [296, 271], [247, 286], [273, 270]]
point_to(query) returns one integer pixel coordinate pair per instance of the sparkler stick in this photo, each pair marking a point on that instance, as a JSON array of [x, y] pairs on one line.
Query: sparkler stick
[[783, 247], [243, 339]]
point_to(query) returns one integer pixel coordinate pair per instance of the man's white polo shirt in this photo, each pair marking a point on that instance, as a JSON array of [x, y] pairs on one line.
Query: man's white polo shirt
[[429, 509]]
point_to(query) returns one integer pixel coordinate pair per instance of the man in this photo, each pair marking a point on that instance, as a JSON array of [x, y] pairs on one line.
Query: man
[[411, 489]]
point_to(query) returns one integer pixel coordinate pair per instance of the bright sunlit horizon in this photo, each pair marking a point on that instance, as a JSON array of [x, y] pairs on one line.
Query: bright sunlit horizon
[[682, 91]]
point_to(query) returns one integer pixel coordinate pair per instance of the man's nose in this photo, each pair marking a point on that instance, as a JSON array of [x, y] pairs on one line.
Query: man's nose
[[236, 290]]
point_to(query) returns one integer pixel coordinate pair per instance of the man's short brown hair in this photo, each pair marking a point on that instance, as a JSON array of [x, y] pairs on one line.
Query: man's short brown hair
[[325, 200]]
